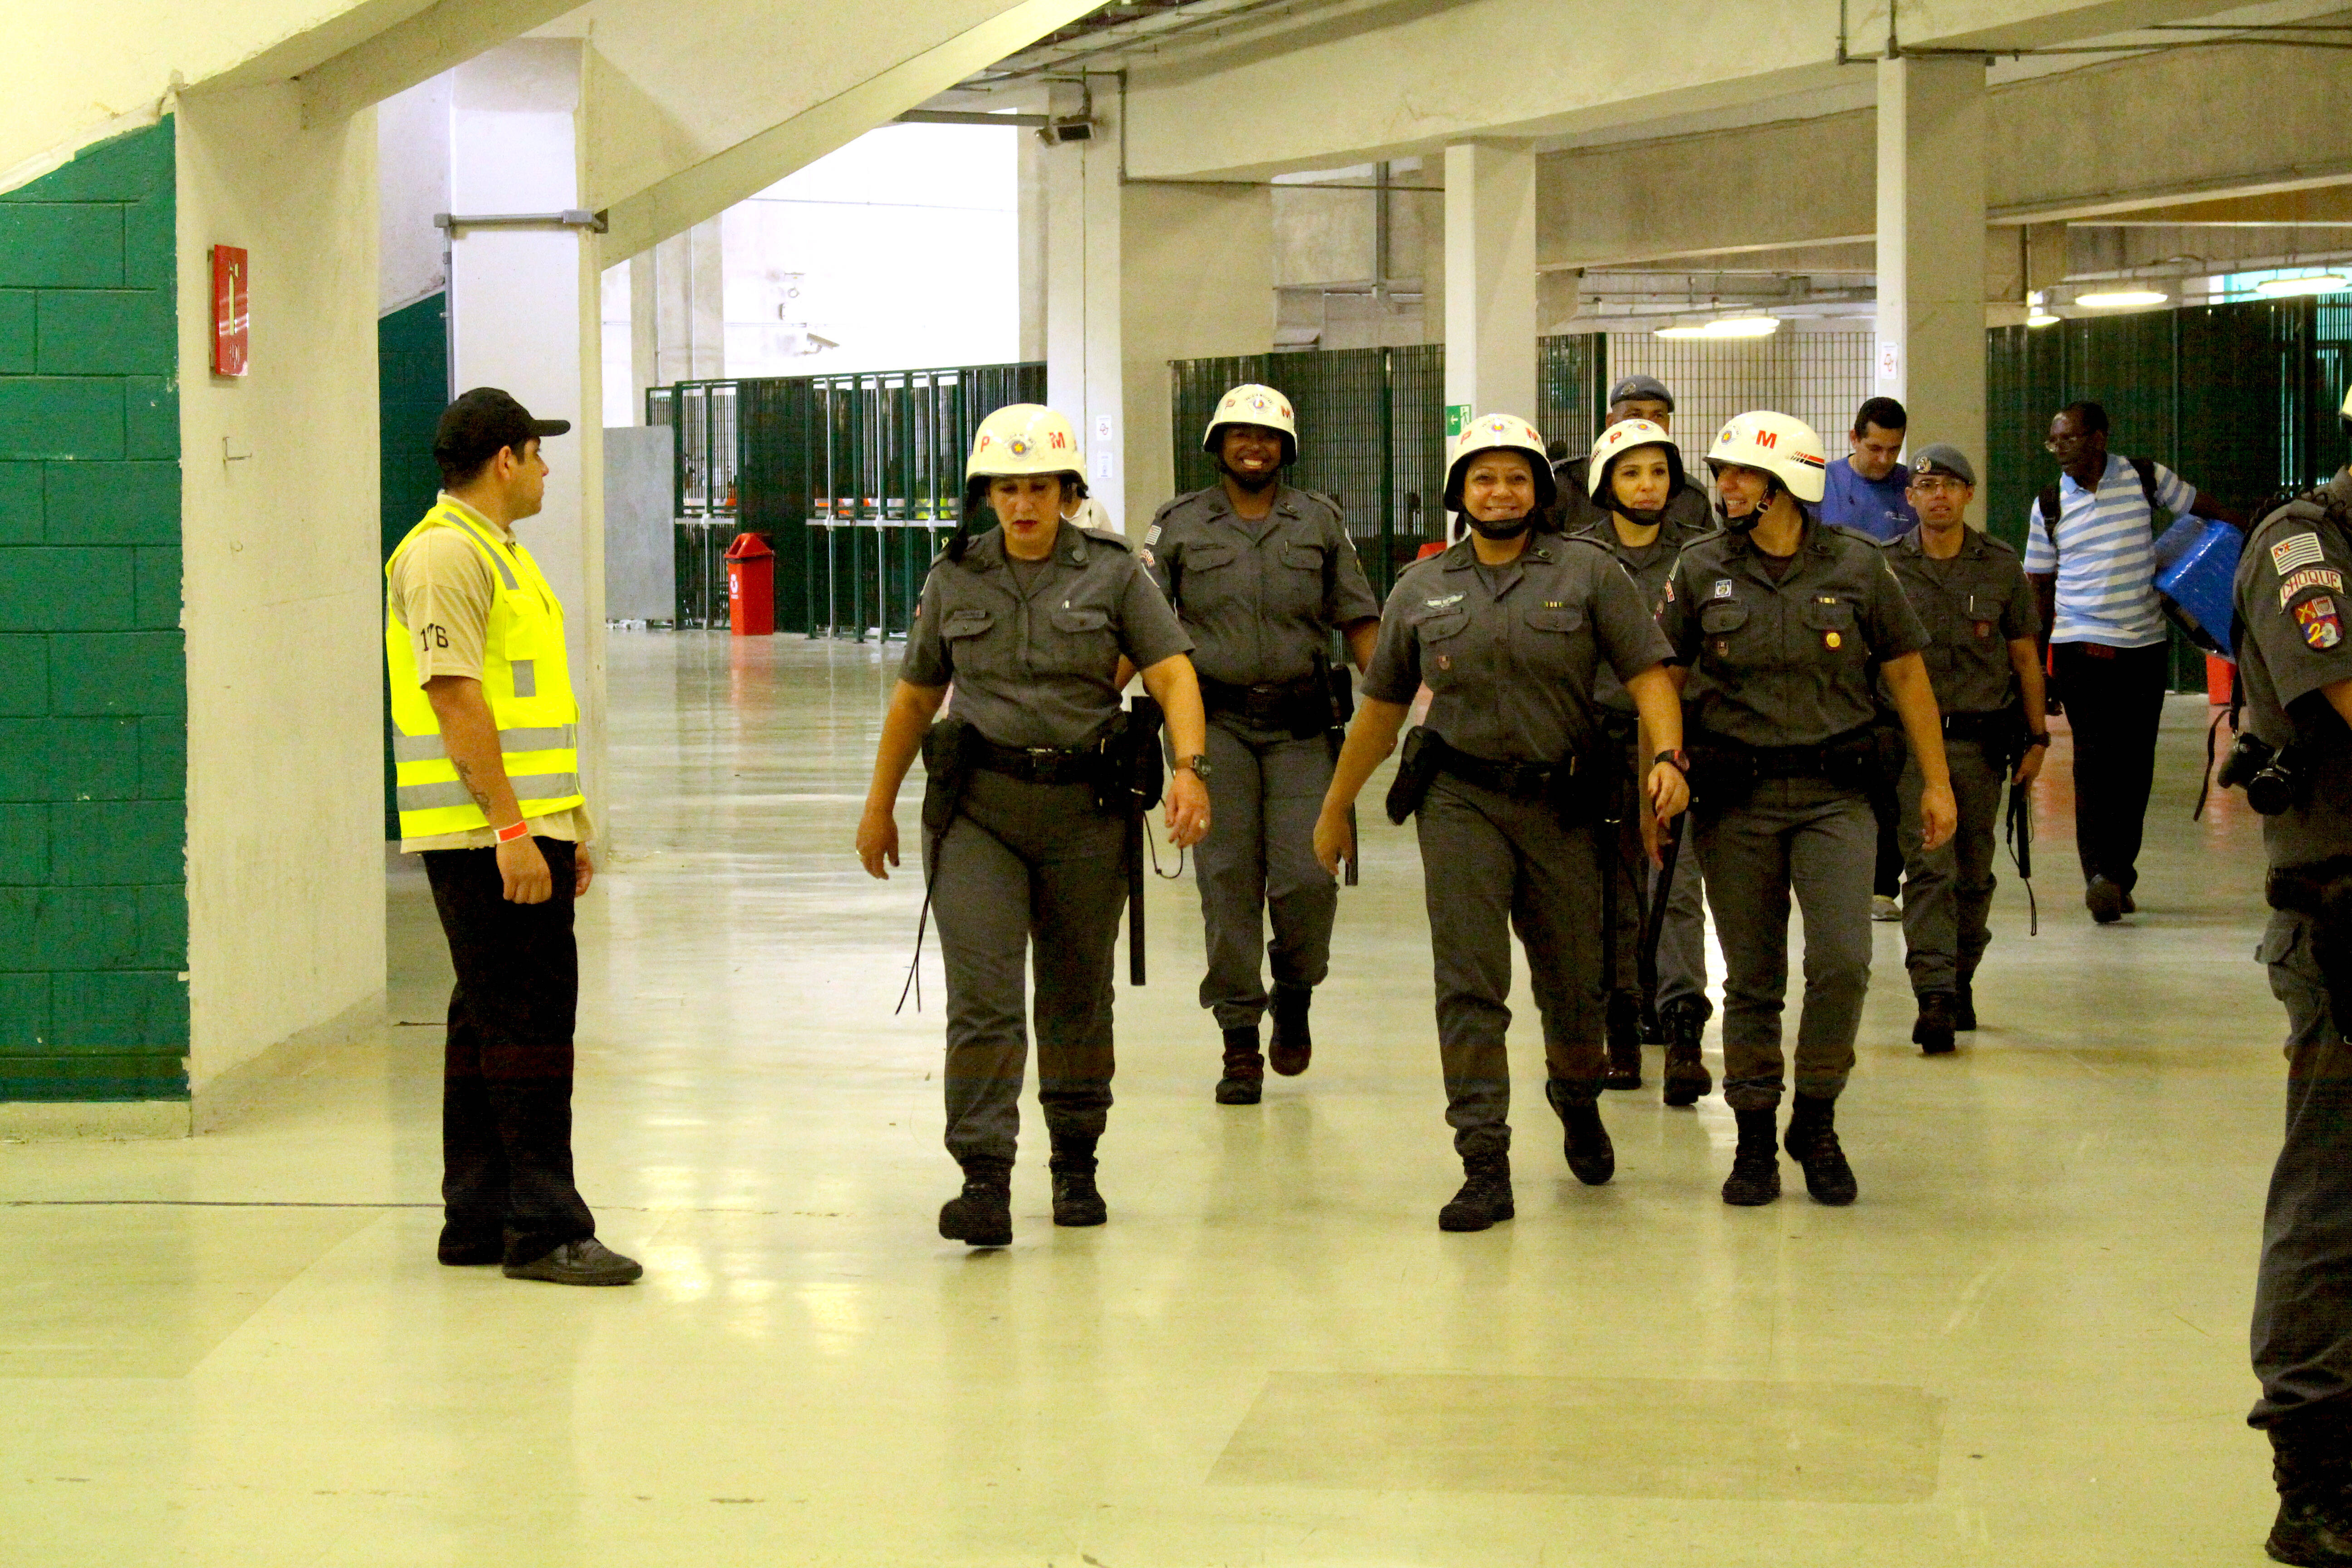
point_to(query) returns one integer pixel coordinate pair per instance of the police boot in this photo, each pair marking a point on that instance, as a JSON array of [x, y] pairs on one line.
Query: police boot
[[2310, 1462], [1755, 1164], [1625, 1041], [1292, 1045], [1485, 1197], [982, 1215], [1687, 1079], [1932, 1030], [1244, 1068], [1591, 1155], [1812, 1143], [1964, 1005], [1075, 1201]]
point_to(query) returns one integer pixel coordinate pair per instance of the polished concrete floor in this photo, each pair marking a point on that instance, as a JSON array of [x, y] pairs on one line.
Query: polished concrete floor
[[2026, 1345]]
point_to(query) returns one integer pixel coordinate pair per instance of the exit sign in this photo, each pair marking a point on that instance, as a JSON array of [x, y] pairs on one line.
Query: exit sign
[[232, 308], [1457, 419]]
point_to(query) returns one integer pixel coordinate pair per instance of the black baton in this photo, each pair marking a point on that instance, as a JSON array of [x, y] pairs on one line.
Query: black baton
[[1654, 928]]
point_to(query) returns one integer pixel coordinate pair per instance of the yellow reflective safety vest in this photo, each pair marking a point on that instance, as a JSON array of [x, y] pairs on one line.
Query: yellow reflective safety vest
[[525, 677]]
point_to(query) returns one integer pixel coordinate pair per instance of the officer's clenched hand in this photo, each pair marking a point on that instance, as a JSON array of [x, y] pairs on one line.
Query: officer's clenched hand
[[877, 841], [523, 871], [1335, 840], [1938, 815], [1188, 809], [1669, 792], [2029, 766]]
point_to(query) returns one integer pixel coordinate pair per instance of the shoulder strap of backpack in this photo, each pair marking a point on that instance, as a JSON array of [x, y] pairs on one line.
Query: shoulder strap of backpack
[[2046, 505], [2145, 469]]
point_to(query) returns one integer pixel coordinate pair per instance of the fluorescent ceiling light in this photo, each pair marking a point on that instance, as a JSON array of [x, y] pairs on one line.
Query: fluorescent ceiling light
[[2289, 288], [2121, 299], [2041, 317], [1679, 334], [1742, 327]]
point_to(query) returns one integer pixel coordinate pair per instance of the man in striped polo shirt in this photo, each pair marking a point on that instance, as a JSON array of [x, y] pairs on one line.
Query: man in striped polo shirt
[[2094, 568]]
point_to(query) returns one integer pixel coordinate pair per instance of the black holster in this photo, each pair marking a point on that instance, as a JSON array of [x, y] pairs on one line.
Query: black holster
[[949, 748], [1722, 774], [1424, 753], [2321, 892]]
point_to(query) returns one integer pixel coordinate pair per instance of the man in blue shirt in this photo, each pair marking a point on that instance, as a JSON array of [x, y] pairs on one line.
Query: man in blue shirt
[[1864, 490]]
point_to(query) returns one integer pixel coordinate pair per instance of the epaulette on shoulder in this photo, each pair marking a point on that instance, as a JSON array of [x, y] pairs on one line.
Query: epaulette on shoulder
[[1870, 538], [2002, 545], [1106, 536]]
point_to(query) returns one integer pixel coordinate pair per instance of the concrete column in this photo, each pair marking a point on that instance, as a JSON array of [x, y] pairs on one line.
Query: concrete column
[[1030, 226], [525, 315], [1490, 276], [1931, 257], [1083, 368]]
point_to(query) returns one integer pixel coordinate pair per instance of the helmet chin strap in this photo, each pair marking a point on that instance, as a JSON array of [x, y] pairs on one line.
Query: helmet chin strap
[[1747, 524], [1641, 516], [1501, 528]]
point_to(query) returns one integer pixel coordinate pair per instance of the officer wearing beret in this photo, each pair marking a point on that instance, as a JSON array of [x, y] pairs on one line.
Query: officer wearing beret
[[1778, 620], [1507, 629], [1578, 510], [1262, 574], [1983, 660], [1035, 623], [2294, 763]]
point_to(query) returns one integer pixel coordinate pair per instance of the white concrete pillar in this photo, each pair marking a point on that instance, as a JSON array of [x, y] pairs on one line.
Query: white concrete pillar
[[1490, 276], [1084, 369], [1931, 258], [525, 315]]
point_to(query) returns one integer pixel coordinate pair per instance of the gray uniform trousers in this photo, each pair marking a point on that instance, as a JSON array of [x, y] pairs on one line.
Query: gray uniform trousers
[[1811, 837], [1681, 936], [1492, 865], [1259, 860], [1947, 893], [1022, 865], [2303, 1293]]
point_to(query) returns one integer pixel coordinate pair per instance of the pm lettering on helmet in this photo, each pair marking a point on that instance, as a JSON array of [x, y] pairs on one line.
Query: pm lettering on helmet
[[1767, 440]]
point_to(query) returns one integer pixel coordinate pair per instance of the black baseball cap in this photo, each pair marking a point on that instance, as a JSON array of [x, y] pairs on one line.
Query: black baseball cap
[[1647, 387], [484, 421]]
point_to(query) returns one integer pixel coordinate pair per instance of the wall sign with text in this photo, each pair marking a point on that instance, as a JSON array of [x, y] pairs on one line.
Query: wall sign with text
[[232, 308]]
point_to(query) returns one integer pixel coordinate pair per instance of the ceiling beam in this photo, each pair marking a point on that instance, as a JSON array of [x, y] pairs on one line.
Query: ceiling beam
[[436, 40]]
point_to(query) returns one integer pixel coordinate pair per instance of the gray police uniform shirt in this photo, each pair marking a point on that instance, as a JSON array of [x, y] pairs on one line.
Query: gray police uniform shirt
[[1035, 668], [1972, 607], [1509, 652], [1576, 510], [1649, 566], [1787, 663], [1261, 599], [2294, 640]]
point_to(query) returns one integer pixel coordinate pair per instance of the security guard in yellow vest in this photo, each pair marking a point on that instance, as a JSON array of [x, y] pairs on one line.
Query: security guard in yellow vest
[[485, 748]]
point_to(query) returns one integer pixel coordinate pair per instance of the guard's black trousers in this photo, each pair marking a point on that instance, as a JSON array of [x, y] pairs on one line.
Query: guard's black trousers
[[506, 1094], [2114, 702]]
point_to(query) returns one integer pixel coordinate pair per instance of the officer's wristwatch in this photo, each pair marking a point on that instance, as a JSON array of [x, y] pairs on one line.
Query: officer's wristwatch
[[2032, 739], [1198, 763], [1679, 758]]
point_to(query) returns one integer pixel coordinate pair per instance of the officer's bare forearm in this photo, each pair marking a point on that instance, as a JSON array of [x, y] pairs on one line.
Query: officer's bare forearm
[[1177, 690], [1370, 739], [1655, 698], [470, 735], [912, 709], [2046, 604], [2025, 659], [1125, 673], [2339, 696], [1362, 637], [1914, 703]]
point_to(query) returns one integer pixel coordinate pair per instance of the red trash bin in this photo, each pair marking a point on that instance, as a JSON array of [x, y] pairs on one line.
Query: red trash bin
[[752, 586]]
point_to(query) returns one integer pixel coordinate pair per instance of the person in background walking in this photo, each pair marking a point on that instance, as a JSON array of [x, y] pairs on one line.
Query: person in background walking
[[2090, 553]]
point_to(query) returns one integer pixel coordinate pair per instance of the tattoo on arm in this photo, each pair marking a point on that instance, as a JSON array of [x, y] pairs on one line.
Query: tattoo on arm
[[481, 796]]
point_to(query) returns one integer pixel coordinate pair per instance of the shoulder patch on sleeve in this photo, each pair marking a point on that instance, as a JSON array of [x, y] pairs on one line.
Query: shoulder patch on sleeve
[[2294, 551], [2320, 621], [2307, 579]]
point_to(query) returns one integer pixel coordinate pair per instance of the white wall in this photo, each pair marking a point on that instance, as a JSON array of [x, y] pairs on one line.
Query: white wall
[[284, 599], [413, 169]]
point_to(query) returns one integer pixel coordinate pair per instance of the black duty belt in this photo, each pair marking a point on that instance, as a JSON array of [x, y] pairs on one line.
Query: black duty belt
[[1830, 759], [1999, 726], [1269, 705], [1520, 781], [1040, 764]]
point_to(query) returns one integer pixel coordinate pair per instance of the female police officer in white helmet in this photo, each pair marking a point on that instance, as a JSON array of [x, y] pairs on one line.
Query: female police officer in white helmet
[[1030, 621], [1506, 627], [1781, 620], [1636, 475]]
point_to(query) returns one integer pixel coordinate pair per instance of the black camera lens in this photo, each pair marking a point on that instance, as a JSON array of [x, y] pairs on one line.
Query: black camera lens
[[2270, 792]]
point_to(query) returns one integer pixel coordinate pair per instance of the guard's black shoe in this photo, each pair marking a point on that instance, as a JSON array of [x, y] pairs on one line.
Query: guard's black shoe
[[1654, 1028], [1932, 1030], [1755, 1164], [1964, 1007], [1485, 1197], [1075, 1201], [2312, 1467], [459, 1251], [2131, 905], [1292, 1046], [982, 1215], [2105, 901], [1812, 1143], [1624, 1069], [1591, 1156], [1244, 1076], [587, 1261], [1687, 1079]]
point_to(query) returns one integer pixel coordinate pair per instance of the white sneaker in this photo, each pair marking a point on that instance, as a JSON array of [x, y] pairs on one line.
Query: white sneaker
[[1883, 908]]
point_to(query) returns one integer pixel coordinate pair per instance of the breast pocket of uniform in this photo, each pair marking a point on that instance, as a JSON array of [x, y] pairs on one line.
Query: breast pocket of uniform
[[1205, 577], [1556, 645], [1083, 642], [1727, 637], [1298, 587], [969, 647], [1830, 622], [1445, 651]]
